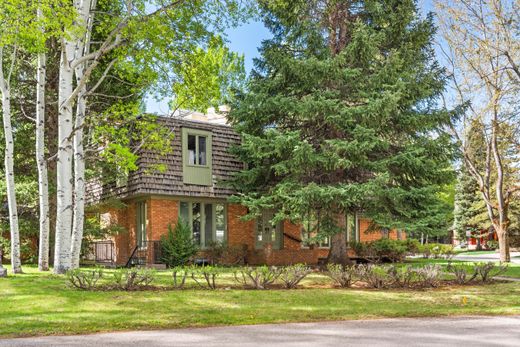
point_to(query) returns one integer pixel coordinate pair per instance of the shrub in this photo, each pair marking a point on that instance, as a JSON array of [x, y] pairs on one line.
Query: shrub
[[412, 245], [375, 276], [85, 280], [133, 279], [463, 273], [429, 275], [179, 275], [224, 254], [492, 245], [293, 274], [205, 276], [177, 245], [258, 277], [393, 250], [487, 271], [342, 276], [402, 276], [382, 249]]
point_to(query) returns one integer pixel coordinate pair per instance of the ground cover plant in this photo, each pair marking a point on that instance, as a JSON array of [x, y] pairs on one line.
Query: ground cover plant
[[43, 304]]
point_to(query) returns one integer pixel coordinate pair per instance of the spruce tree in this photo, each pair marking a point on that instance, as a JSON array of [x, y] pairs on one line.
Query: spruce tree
[[340, 117], [467, 204]]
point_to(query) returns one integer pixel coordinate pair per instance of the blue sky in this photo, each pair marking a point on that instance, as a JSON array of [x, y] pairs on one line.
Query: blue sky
[[245, 40]]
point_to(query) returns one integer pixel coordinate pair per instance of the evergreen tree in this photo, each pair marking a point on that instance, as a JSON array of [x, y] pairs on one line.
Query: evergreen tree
[[467, 204], [340, 117]]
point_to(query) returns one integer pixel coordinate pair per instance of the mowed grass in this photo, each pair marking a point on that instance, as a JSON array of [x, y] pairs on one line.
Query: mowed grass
[[42, 304], [513, 270]]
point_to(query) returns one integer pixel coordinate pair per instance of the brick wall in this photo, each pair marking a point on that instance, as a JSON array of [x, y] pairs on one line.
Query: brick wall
[[162, 212]]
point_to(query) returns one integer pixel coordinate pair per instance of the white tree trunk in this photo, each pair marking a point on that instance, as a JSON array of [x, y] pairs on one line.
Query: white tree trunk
[[9, 172], [79, 181], [62, 258], [82, 48], [43, 181]]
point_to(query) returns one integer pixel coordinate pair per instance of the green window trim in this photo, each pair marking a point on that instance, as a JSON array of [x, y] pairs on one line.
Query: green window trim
[[266, 232], [141, 224], [197, 156], [212, 213]]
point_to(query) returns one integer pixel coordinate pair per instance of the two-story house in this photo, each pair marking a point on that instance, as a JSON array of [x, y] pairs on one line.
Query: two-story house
[[191, 188]]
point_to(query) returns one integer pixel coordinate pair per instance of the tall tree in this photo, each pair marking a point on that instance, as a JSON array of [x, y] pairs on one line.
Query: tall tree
[[483, 53], [144, 33], [340, 117]]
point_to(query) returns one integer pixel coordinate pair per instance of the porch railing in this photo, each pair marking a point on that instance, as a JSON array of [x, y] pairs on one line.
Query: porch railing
[[101, 252], [146, 253]]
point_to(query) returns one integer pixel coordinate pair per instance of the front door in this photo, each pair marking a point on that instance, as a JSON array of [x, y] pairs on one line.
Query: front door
[[266, 232]]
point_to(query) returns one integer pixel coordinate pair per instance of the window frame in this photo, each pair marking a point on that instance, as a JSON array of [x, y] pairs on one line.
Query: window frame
[[277, 243], [203, 204], [140, 232], [195, 173]]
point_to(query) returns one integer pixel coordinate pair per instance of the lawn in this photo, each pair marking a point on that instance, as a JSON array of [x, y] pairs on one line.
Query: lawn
[[42, 304], [513, 270]]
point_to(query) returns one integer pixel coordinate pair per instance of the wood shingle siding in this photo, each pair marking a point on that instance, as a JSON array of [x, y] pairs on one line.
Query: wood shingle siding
[[146, 181]]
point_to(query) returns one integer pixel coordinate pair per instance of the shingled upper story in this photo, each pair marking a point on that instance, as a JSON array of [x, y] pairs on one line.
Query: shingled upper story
[[191, 187]]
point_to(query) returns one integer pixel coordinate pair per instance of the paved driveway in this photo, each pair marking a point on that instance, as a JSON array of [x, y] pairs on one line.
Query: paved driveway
[[458, 331], [515, 257]]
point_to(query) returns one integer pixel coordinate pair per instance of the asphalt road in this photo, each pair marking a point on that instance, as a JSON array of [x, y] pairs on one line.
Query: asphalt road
[[454, 331]]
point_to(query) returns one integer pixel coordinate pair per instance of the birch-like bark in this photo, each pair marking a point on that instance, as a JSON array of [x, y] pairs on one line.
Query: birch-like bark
[[79, 180], [43, 181], [9, 166], [62, 258], [83, 48]]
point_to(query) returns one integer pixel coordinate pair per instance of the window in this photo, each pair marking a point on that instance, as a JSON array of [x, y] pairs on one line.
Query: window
[[196, 153], [266, 232], [207, 221], [141, 224], [310, 238], [311, 234], [197, 150], [352, 228]]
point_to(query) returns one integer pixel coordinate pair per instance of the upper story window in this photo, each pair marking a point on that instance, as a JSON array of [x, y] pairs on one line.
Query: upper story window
[[196, 156], [197, 151]]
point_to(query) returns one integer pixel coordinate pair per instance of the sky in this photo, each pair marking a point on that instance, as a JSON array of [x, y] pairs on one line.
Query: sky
[[246, 39]]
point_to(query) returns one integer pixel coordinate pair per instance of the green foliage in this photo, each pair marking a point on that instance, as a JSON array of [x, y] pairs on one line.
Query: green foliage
[[84, 279], [343, 276], [177, 245], [292, 275], [132, 279], [205, 276], [260, 277], [492, 245], [384, 249], [333, 132], [436, 250]]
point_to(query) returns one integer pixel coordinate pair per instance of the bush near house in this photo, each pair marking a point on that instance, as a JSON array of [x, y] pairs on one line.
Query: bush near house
[[382, 250], [177, 245]]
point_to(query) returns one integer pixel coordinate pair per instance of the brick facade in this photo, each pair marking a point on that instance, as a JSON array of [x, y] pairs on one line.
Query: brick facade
[[164, 211]]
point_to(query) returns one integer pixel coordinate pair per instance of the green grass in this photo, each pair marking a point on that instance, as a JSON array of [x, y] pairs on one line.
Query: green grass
[[42, 304], [475, 252], [513, 270]]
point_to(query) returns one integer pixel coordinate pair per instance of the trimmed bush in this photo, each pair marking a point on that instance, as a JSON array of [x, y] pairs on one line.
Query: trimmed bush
[[343, 276], [177, 245], [132, 279], [84, 279], [257, 277], [291, 275], [205, 276]]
